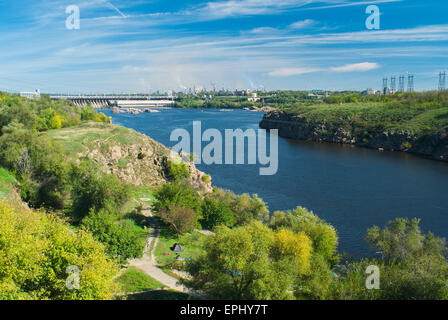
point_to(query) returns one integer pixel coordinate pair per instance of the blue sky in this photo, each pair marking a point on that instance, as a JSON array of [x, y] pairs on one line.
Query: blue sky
[[138, 46]]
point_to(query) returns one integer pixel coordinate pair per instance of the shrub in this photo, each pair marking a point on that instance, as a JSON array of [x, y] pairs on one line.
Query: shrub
[[177, 194], [180, 219], [95, 190], [216, 213], [120, 239], [206, 178], [35, 251], [177, 172]]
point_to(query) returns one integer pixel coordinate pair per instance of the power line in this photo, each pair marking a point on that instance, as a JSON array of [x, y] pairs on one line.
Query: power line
[[410, 83], [401, 84], [442, 81], [393, 84]]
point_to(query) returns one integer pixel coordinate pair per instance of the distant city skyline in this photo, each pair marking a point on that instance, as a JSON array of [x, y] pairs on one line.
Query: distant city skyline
[[145, 46]]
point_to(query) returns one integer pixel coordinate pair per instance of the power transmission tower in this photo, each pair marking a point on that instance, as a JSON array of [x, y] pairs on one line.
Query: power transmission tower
[[393, 84], [442, 81], [401, 84], [385, 87], [410, 83]]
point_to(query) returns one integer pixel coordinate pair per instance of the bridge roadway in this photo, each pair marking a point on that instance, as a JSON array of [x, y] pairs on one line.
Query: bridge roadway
[[120, 101]]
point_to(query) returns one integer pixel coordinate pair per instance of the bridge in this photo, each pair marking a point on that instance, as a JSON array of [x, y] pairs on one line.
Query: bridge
[[120, 101]]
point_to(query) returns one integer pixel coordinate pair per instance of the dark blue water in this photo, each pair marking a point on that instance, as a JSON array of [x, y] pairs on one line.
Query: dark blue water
[[352, 188]]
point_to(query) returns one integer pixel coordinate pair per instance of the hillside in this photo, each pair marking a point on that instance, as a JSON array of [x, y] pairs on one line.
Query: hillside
[[7, 181], [421, 128], [132, 157]]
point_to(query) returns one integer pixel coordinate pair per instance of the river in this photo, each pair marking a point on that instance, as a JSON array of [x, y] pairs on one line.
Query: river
[[352, 188]]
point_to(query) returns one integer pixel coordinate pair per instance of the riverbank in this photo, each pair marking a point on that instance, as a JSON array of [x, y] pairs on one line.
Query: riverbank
[[422, 131]]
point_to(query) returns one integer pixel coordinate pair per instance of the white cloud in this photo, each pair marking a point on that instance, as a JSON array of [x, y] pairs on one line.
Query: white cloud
[[302, 24], [285, 72], [355, 67], [364, 66], [263, 30]]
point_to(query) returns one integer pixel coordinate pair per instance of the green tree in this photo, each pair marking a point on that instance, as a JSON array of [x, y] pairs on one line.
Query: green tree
[[180, 219], [246, 208], [250, 262], [179, 194], [120, 239], [216, 213], [323, 235], [92, 189], [35, 251]]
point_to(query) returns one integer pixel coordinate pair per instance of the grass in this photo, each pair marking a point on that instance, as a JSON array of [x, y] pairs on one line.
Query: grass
[[143, 192], [85, 136], [135, 280], [7, 180], [192, 243], [378, 117]]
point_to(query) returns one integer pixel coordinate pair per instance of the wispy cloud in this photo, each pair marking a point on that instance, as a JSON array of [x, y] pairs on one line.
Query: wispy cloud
[[355, 67], [302, 24], [364, 66], [285, 72]]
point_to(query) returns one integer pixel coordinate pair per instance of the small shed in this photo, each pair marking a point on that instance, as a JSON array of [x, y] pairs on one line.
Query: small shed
[[177, 248]]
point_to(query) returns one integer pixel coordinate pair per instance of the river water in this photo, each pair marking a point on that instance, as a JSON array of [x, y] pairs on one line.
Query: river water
[[352, 188]]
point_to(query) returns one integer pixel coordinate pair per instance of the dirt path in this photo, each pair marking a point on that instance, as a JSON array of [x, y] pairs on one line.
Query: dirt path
[[148, 262]]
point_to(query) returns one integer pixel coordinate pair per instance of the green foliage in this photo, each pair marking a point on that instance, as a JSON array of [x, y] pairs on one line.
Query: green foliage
[[89, 114], [120, 239], [192, 242], [250, 262], [413, 265], [181, 219], [206, 178], [36, 249], [177, 194], [417, 113], [135, 280], [94, 190], [177, 171], [7, 184], [246, 208], [402, 239], [39, 166], [216, 213], [323, 235]]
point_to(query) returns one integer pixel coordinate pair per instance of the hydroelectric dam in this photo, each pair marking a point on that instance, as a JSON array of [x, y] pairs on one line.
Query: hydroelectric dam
[[120, 101]]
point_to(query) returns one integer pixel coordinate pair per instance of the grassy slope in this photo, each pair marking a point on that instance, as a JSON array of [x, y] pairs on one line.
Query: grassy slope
[[376, 116], [7, 182], [81, 138], [192, 243], [135, 280]]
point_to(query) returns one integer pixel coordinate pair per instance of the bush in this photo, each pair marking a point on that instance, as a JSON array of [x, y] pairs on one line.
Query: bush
[[180, 219], [216, 213], [35, 251], [120, 239], [179, 195], [177, 172], [94, 190], [323, 235], [246, 208]]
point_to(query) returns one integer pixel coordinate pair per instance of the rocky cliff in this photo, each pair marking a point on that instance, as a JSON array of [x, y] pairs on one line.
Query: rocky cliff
[[132, 157], [431, 145]]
